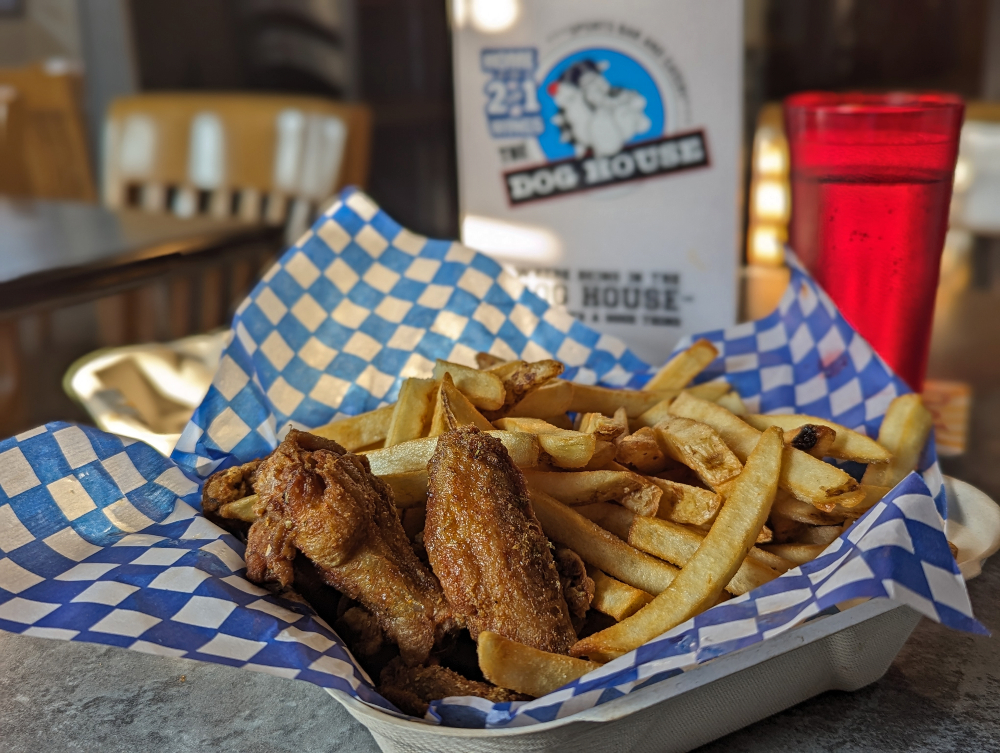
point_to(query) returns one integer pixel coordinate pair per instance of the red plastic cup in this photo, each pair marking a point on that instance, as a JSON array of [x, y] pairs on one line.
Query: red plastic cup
[[871, 184]]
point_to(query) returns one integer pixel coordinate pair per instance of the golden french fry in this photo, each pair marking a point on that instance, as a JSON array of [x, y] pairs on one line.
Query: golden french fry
[[766, 536], [521, 378], [241, 509], [773, 561], [483, 388], [856, 507], [606, 400], [604, 453], [641, 451], [848, 445], [408, 489], [687, 505], [685, 366], [552, 399], [700, 448], [614, 598], [561, 421], [453, 409], [904, 432], [732, 402], [787, 506], [713, 564], [674, 543], [798, 554], [358, 431], [524, 669], [585, 487], [806, 477], [712, 391], [413, 455], [486, 361], [607, 429], [821, 535], [567, 449], [411, 417], [813, 439], [600, 548]]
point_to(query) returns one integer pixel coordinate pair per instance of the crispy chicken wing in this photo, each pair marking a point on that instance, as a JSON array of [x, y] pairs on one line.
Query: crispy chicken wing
[[318, 499], [487, 547], [412, 688]]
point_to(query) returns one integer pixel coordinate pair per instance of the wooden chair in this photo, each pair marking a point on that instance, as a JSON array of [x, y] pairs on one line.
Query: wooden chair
[[262, 158], [43, 139]]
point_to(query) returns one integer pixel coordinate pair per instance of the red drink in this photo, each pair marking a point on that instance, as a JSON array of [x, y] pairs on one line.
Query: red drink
[[871, 185]]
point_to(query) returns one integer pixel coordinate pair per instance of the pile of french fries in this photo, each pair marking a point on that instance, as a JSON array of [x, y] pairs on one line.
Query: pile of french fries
[[674, 496]]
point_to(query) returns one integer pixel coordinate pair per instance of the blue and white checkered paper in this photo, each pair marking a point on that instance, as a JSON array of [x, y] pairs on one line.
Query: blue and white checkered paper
[[101, 539]]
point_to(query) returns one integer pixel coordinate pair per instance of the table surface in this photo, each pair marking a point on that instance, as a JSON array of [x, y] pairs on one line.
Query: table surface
[[53, 249], [941, 692]]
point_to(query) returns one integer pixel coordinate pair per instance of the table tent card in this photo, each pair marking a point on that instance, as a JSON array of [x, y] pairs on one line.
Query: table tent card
[[101, 538]]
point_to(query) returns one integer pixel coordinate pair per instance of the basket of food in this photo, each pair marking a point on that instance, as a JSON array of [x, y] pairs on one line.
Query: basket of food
[[481, 525]]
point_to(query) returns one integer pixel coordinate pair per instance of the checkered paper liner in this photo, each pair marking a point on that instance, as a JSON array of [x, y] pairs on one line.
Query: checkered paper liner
[[101, 538]]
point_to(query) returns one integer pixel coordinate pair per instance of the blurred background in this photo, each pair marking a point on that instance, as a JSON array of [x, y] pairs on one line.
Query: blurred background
[[156, 156]]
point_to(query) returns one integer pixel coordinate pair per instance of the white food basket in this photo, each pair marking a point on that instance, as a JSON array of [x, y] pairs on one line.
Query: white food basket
[[842, 651]]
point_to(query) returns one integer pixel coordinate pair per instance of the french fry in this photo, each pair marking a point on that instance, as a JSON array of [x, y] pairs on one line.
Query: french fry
[[773, 561], [713, 391], [484, 389], [604, 453], [700, 448], [408, 489], [567, 449], [855, 508], [453, 409], [685, 366], [687, 505], [614, 598], [413, 455], [524, 669], [904, 432], [486, 361], [641, 451], [798, 554], [521, 378], [241, 509], [606, 400], [806, 477], [603, 427], [813, 439], [675, 544], [642, 501], [560, 421], [358, 431], [766, 536], [787, 506], [411, 417], [821, 535], [599, 548], [849, 445], [552, 399], [585, 487], [713, 564], [732, 402]]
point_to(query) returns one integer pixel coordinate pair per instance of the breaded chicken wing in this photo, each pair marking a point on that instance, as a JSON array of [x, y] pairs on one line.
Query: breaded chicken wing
[[486, 546], [318, 499]]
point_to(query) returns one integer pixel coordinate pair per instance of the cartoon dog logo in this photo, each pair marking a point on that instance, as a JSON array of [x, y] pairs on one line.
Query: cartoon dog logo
[[594, 115]]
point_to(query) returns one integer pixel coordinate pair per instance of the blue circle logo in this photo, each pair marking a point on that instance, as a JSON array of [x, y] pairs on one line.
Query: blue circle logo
[[596, 101]]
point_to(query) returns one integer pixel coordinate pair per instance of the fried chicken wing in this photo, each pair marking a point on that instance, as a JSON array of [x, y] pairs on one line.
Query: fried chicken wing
[[487, 547], [320, 500], [577, 586], [228, 486], [411, 689]]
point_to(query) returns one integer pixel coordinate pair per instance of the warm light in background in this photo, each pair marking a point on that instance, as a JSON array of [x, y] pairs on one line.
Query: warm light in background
[[770, 152], [493, 16], [509, 240], [771, 201], [766, 244]]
